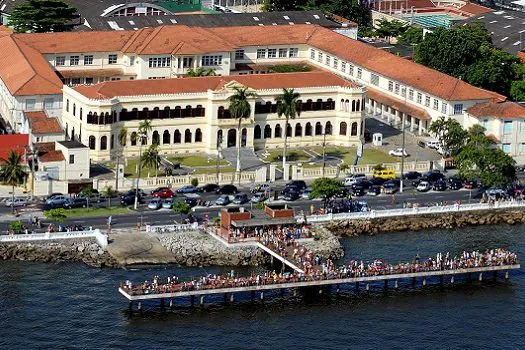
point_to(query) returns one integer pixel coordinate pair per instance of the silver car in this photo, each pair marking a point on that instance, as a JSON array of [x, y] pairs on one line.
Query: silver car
[[155, 204], [17, 202], [167, 203]]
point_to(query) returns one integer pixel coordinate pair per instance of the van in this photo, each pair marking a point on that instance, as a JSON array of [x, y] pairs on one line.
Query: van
[[434, 144], [349, 181], [386, 174]]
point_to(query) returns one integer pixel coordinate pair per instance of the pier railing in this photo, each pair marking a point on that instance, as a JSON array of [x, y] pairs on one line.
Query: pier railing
[[171, 228], [102, 239], [413, 211]]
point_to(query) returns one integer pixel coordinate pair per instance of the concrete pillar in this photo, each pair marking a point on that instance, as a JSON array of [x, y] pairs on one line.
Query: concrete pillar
[[396, 285], [412, 124], [481, 276], [506, 275], [424, 281], [272, 172], [286, 172], [202, 300], [262, 295]]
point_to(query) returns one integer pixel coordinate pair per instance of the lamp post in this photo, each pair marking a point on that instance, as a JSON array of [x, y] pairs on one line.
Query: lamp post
[[218, 168], [401, 182], [324, 152], [135, 206], [30, 152]]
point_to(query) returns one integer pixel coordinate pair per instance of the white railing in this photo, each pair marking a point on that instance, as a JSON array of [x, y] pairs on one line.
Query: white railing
[[171, 228], [102, 239], [413, 211]]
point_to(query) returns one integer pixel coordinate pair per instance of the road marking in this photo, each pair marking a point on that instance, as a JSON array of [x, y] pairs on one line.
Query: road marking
[[79, 221]]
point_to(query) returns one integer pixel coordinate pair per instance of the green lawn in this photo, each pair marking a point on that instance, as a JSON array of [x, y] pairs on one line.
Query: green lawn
[[187, 161], [83, 212], [370, 155], [131, 170], [294, 155], [197, 160]]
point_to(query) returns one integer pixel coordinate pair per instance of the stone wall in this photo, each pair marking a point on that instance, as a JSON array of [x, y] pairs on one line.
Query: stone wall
[[78, 250], [423, 222]]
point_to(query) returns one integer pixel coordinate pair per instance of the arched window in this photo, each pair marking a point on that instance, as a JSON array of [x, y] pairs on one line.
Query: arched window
[[257, 132], [219, 138], [278, 132], [176, 136], [353, 131], [67, 105], [155, 140], [111, 142], [347, 105], [177, 113], [166, 137], [288, 130], [92, 142], [198, 135], [353, 105], [308, 129], [188, 112], [358, 105], [103, 143], [342, 105], [187, 136], [267, 132], [318, 104], [342, 128], [244, 137], [80, 113], [144, 139], [318, 128], [328, 128], [309, 105], [74, 109], [298, 130], [133, 138], [362, 131], [156, 112]]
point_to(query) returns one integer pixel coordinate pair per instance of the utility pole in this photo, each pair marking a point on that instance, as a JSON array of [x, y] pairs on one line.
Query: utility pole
[[324, 148], [117, 173], [32, 154], [219, 149], [401, 182], [141, 137]]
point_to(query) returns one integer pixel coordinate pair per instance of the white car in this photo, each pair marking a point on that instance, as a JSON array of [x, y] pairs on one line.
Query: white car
[[17, 202], [423, 186], [434, 144], [349, 181], [398, 152]]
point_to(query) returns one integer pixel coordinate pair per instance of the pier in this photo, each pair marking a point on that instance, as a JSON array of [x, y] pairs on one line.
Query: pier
[[388, 279]]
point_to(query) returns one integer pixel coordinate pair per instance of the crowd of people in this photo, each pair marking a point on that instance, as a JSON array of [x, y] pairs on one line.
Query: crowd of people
[[328, 271], [262, 234]]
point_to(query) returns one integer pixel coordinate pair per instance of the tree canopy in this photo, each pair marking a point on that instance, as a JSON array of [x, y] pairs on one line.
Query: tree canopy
[[325, 188], [413, 36], [390, 29], [41, 16], [11, 170], [449, 133], [467, 52]]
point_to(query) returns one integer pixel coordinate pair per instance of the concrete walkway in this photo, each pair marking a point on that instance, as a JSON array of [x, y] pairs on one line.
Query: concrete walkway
[[133, 248]]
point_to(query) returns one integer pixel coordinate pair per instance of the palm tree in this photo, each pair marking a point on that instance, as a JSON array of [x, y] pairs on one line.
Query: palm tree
[[201, 72], [150, 158], [12, 173], [144, 127], [287, 105], [123, 136], [240, 109]]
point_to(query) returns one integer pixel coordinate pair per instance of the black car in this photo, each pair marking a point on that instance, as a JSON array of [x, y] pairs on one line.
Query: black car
[[129, 199], [208, 188], [439, 185], [374, 190], [393, 182], [364, 183], [191, 201], [226, 189], [412, 175], [358, 190], [377, 181], [299, 184], [291, 195], [455, 184], [434, 175], [240, 198], [78, 202]]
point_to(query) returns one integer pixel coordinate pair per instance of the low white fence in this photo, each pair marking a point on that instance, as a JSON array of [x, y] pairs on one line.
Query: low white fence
[[172, 228], [413, 211], [102, 239]]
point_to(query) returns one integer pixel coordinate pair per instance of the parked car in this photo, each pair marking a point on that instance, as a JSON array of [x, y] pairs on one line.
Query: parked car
[[192, 199], [496, 193], [373, 190], [208, 188], [398, 152], [258, 197], [455, 184], [390, 188], [423, 186], [349, 181], [306, 193], [411, 175], [434, 144], [227, 189], [93, 196], [167, 203], [187, 189], [261, 188], [16, 202], [57, 200], [54, 195], [300, 184], [439, 185], [358, 190], [384, 174], [223, 200], [129, 199], [291, 195], [240, 198], [470, 184], [158, 189], [155, 204], [163, 193], [78, 202]]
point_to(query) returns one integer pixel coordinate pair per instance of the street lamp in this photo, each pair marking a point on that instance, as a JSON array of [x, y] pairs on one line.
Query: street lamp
[[142, 137], [219, 150], [401, 182], [30, 152], [324, 152]]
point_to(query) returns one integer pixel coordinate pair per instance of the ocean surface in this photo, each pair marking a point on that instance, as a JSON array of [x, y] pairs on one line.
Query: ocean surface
[[71, 306]]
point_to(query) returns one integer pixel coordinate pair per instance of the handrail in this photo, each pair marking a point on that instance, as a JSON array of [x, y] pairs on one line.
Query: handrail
[[101, 238]]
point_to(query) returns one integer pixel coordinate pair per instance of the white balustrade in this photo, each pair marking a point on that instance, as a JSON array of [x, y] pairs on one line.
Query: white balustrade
[[171, 228], [101, 238]]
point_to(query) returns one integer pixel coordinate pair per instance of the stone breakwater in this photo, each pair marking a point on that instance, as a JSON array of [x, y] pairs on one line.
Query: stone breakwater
[[196, 248], [77, 250], [345, 228], [325, 244]]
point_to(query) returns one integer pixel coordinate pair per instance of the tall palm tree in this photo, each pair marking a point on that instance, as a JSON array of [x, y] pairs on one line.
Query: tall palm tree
[[287, 105], [144, 127], [240, 109], [12, 173], [123, 136], [150, 158]]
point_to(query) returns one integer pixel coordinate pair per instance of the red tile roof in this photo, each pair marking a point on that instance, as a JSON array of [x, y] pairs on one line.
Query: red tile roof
[[502, 110], [110, 89], [47, 153], [475, 9], [398, 104], [40, 123], [13, 142]]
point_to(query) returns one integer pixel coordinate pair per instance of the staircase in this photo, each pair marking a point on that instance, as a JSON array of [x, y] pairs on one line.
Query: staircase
[[249, 160]]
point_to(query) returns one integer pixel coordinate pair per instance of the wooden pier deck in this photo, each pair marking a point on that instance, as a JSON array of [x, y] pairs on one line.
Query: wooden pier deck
[[324, 282]]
